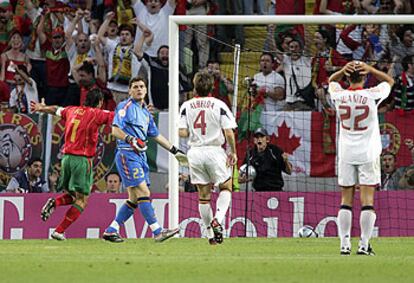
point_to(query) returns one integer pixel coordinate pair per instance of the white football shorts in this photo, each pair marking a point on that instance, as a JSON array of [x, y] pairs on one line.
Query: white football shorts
[[208, 165], [363, 174]]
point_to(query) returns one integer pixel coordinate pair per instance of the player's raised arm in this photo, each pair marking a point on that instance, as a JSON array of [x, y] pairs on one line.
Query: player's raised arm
[[364, 69], [345, 71], [42, 107]]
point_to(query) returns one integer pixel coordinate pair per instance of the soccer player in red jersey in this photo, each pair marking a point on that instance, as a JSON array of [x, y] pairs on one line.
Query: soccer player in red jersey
[[81, 137]]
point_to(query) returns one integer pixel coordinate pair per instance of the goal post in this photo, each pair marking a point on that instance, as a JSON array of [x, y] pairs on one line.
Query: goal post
[[175, 21]]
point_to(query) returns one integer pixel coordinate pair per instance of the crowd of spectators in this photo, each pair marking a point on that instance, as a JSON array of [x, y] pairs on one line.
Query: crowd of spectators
[[59, 50], [69, 47]]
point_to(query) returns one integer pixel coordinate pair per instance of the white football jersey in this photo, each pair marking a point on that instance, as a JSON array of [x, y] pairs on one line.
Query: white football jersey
[[359, 136], [205, 118]]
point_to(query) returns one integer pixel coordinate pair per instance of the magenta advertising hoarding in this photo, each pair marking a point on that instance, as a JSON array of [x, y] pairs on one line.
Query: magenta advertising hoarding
[[278, 214]]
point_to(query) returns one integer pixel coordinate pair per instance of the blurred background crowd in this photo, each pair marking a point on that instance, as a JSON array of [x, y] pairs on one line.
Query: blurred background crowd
[[59, 50]]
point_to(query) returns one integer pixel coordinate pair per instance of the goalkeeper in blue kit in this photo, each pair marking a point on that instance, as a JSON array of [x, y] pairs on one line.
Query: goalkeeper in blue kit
[[132, 125]]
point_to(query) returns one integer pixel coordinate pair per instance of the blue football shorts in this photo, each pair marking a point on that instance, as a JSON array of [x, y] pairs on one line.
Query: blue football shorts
[[132, 167]]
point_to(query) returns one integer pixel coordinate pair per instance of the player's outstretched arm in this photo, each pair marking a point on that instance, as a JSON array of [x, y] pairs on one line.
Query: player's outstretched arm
[[43, 108], [178, 153]]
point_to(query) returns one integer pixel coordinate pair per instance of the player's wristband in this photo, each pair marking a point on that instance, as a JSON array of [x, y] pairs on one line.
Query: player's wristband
[[128, 138], [174, 150]]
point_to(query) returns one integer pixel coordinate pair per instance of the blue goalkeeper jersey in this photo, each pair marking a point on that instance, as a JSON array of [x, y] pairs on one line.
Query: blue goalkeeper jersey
[[135, 120]]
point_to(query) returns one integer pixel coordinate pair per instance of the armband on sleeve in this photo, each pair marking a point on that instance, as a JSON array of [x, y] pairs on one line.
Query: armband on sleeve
[[59, 111]]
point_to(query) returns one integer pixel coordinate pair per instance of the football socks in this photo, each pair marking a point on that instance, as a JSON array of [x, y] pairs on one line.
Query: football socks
[[206, 214], [344, 227], [72, 214], [366, 221], [124, 213], [147, 211], [223, 202], [64, 199]]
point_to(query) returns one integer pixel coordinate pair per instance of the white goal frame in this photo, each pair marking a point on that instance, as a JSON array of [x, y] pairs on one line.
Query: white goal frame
[[173, 31]]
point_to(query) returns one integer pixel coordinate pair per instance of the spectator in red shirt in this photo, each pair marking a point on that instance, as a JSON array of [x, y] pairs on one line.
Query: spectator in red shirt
[[292, 7], [84, 75], [223, 87], [326, 61], [10, 22], [335, 7], [57, 64]]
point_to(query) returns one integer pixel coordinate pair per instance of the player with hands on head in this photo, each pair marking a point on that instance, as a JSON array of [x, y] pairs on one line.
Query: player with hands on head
[[203, 119], [359, 147], [132, 126]]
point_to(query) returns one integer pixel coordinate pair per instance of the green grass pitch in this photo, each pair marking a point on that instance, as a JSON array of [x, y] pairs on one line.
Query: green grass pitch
[[193, 260]]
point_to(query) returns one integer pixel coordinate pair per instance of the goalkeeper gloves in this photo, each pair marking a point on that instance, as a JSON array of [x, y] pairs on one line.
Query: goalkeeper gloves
[[137, 144], [179, 155]]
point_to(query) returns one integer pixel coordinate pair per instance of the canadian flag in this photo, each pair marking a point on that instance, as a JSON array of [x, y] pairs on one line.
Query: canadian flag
[[309, 138]]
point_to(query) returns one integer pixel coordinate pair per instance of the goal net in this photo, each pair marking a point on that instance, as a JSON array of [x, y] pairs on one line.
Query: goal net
[[259, 63]]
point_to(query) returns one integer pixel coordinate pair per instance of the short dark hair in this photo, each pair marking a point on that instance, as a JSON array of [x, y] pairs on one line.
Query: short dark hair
[[356, 77], [212, 61], [33, 160], [112, 173], [13, 32], [407, 60], [327, 37], [324, 33], [87, 68], [161, 47], [295, 39], [402, 30], [268, 54], [203, 83], [93, 97], [389, 153], [113, 21], [126, 27], [137, 79]]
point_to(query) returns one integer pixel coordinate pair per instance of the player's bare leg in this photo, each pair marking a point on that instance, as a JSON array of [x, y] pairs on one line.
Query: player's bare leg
[[71, 216], [367, 219], [204, 207], [345, 219]]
